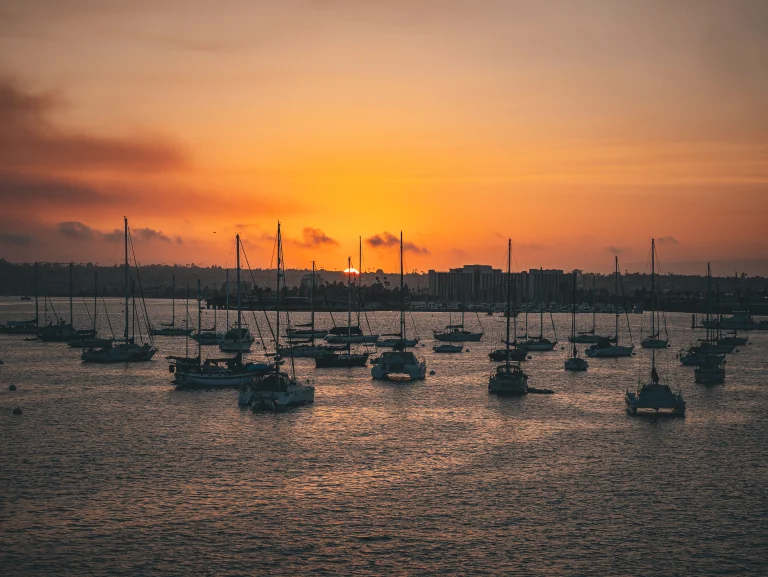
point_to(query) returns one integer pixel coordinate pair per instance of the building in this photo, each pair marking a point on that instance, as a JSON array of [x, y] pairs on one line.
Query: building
[[477, 283]]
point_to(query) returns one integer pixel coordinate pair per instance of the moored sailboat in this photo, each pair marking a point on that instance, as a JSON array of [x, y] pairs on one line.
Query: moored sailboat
[[574, 362], [605, 348]]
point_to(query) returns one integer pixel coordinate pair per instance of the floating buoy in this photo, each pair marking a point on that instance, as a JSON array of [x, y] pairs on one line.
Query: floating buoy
[[431, 372], [17, 411], [466, 350], [529, 357], [12, 387]]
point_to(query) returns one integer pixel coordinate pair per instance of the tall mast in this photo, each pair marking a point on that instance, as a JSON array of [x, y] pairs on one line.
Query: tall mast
[[239, 312], [653, 288], [186, 324], [402, 294], [127, 288], [173, 301], [514, 299], [199, 323], [349, 304], [71, 318], [594, 327], [37, 309], [541, 308], [616, 278], [312, 307], [709, 298], [573, 314], [277, 299], [359, 273], [226, 305], [509, 291], [95, 299]]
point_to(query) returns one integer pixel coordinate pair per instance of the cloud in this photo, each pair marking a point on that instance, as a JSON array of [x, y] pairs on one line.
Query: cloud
[[150, 234], [32, 141], [616, 250], [15, 239], [315, 237], [667, 240], [387, 239], [76, 230]]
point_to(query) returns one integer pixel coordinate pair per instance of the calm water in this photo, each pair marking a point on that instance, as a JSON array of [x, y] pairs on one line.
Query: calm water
[[111, 471]]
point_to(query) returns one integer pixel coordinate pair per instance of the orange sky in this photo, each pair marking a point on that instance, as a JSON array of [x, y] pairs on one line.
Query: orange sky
[[580, 129]]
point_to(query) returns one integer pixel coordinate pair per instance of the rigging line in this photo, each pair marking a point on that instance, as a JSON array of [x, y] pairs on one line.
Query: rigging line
[[141, 292], [261, 302], [255, 322], [624, 306], [106, 314]]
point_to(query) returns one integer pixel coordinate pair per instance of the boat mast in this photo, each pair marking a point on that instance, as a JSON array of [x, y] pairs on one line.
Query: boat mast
[[349, 304], [616, 279], [127, 288], [95, 300], [402, 295], [199, 323], [226, 305], [37, 310], [239, 312], [573, 315], [594, 326], [653, 288], [312, 307], [173, 301], [709, 299], [541, 310], [509, 290], [277, 296], [360, 268], [71, 318], [186, 324]]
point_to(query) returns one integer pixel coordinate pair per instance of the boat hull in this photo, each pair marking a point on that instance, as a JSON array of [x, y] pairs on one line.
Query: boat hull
[[119, 354], [448, 348], [655, 344], [333, 361], [654, 398], [212, 381], [458, 337], [576, 364], [709, 375], [613, 352], [354, 339]]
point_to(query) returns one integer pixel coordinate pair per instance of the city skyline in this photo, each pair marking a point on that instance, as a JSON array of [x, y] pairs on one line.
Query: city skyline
[[580, 133]]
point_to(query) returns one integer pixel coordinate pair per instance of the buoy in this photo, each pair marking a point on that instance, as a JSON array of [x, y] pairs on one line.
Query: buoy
[[529, 357], [431, 372], [17, 411], [12, 387], [467, 350]]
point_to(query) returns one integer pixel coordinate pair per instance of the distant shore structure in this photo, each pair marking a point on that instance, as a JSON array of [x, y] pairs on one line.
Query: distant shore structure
[[481, 283]]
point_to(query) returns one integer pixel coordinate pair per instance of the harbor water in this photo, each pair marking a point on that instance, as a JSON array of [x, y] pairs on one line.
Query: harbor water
[[111, 471]]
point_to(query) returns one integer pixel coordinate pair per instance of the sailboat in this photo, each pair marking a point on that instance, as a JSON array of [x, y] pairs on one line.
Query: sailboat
[[604, 348], [590, 336], [457, 333], [170, 329], [654, 395], [239, 338], [539, 343], [226, 373], [392, 340], [509, 378], [708, 356], [125, 351], [63, 332], [400, 363], [304, 349], [574, 362], [92, 341], [346, 358], [511, 352], [276, 390], [653, 341]]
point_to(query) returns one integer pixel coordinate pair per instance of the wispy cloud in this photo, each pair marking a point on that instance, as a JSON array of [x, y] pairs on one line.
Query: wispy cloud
[[76, 230], [387, 239], [314, 237], [667, 240]]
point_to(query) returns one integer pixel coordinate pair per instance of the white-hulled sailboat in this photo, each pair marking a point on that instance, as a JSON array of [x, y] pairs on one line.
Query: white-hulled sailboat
[[276, 390], [400, 364], [125, 351], [509, 378]]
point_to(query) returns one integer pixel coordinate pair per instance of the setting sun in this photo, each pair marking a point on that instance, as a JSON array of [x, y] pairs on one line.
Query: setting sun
[[351, 270]]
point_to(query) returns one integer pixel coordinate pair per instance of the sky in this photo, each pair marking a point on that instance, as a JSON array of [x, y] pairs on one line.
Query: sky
[[580, 129]]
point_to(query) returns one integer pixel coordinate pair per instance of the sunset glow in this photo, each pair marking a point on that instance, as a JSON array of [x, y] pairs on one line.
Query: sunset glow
[[579, 129]]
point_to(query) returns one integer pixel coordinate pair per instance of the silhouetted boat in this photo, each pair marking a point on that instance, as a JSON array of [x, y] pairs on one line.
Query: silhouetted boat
[[654, 396], [605, 348], [446, 348], [170, 329], [126, 351], [653, 341], [400, 363], [574, 362]]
